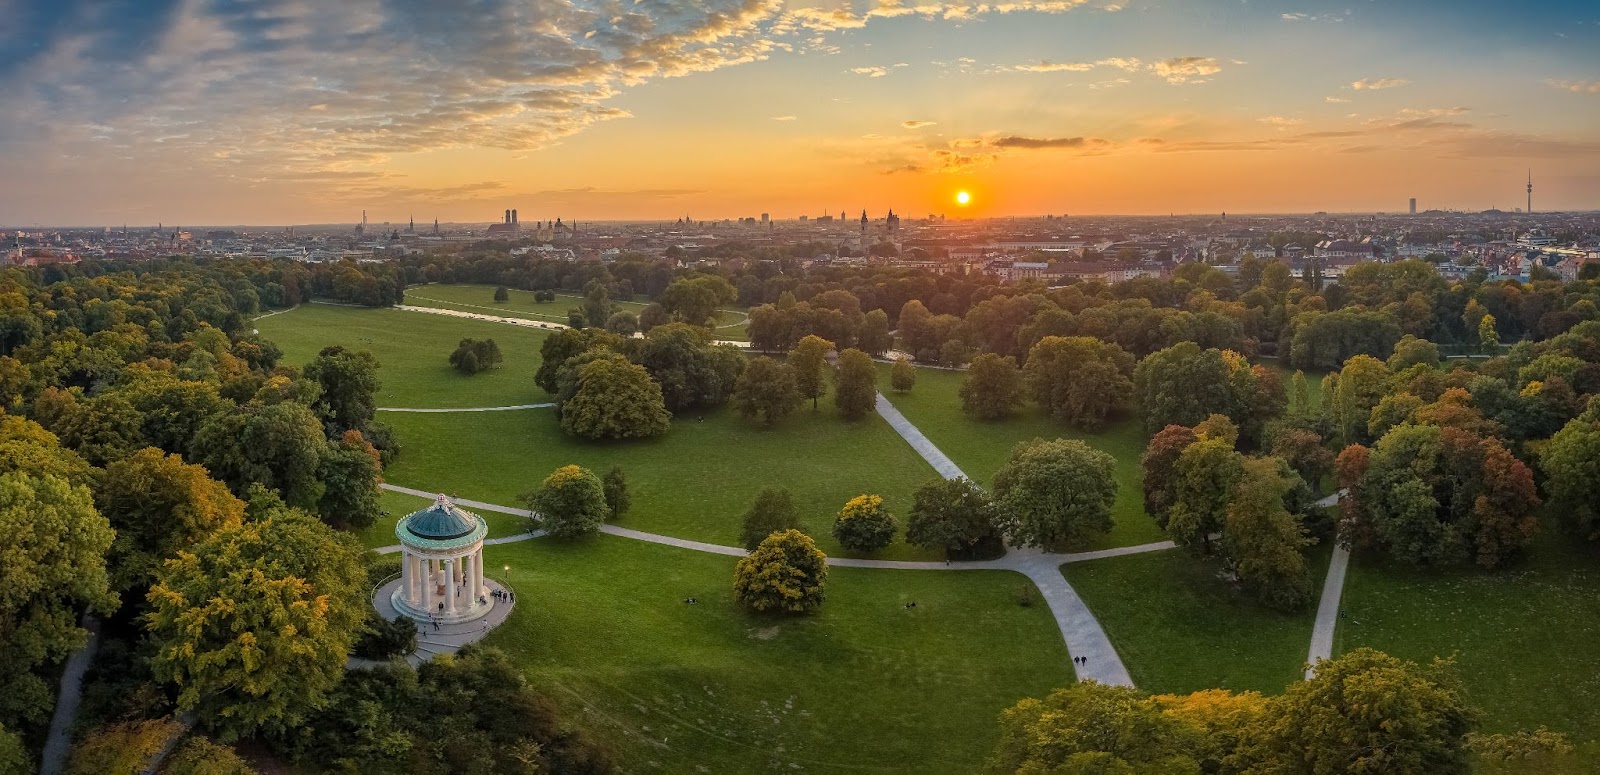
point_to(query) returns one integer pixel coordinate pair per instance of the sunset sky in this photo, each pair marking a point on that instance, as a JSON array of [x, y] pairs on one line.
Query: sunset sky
[[273, 112]]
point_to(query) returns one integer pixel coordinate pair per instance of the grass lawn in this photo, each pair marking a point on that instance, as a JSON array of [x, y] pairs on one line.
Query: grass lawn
[[480, 299], [980, 448], [413, 350], [399, 504], [1179, 628], [1524, 638], [695, 482], [865, 685]]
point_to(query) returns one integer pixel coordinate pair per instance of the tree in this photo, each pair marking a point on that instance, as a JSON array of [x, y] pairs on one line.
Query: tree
[[772, 512], [952, 515], [874, 337], [351, 471], [691, 371], [123, 748], [785, 574], [916, 329], [1054, 494], [502, 295], [623, 323], [614, 399], [864, 525], [1410, 351], [1093, 728], [1206, 475], [570, 502], [559, 347], [855, 388], [809, 359], [1301, 406], [902, 376], [52, 557], [992, 388], [472, 356], [200, 756], [1362, 384], [1078, 380], [279, 445], [349, 382], [14, 757], [1488, 336], [254, 624], [158, 504], [1571, 464], [596, 303], [695, 300], [1365, 711], [615, 484], [1160, 467], [1182, 385], [1263, 541], [766, 390], [1503, 514], [1304, 451]]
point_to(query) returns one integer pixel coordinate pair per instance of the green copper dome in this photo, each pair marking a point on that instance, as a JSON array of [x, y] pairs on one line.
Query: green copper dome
[[441, 522]]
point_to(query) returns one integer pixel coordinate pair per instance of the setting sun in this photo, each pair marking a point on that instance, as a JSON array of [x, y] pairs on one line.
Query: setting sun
[[963, 198]]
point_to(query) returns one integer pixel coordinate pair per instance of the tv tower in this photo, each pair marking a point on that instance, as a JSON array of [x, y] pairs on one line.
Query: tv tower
[[1530, 190]]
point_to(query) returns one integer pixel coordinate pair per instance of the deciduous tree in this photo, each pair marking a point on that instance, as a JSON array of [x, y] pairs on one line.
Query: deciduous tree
[[766, 391], [158, 504], [992, 387], [618, 499], [902, 376], [614, 399], [349, 382], [772, 512], [1078, 380], [809, 359], [1054, 494], [1160, 466], [570, 502], [954, 516], [864, 525], [786, 573], [855, 388]]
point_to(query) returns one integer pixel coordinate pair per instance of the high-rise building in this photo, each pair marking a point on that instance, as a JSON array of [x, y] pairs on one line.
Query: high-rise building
[[765, 217], [1413, 205], [1530, 190]]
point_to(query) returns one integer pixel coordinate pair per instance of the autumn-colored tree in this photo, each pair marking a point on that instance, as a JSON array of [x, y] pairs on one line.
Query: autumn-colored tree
[[1092, 727], [1571, 464], [1364, 711], [1391, 410], [1263, 541], [122, 748], [864, 525], [1160, 464], [786, 573], [809, 359], [254, 624], [1304, 451], [158, 504], [1361, 385], [1300, 404], [1503, 514], [1207, 473], [1488, 336]]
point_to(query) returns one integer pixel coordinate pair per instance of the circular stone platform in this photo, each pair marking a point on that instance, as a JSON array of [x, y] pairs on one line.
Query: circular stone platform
[[445, 638]]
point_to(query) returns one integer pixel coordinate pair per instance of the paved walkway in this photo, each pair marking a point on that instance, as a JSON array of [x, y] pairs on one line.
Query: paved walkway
[[941, 463], [59, 742], [446, 638], [467, 409], [524, 322], [1328, 607]]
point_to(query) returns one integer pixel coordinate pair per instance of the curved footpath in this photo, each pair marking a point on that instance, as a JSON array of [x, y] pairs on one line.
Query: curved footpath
[[744, 317], [524, 322]]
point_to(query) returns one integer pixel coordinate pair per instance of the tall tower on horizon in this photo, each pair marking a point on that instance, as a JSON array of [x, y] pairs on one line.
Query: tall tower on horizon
[[1530, 189]]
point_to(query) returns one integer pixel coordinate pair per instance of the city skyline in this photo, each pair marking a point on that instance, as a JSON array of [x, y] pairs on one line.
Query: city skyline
[[141, 112]]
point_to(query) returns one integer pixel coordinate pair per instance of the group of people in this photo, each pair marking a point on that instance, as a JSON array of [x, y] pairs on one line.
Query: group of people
[[504, 594]]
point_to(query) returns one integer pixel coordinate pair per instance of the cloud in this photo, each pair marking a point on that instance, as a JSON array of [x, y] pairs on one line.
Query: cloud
[[917, 124], [1335, 100], [1373, 84], [877, 72], [783, 118], [1309, 17], [1180, 70], [1017, 141], [1576, 87], [1282, 122], [1047, 66]]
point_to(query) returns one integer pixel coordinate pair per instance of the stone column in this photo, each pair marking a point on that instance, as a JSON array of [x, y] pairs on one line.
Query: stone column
[[407, 578], [450, 584], [425, 575], [477, 574]]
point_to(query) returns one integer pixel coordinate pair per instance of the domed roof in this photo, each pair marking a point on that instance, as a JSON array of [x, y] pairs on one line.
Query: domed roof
[[441, 522]]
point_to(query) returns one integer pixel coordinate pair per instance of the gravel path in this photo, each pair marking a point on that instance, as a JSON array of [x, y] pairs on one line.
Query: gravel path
[[59, 743]]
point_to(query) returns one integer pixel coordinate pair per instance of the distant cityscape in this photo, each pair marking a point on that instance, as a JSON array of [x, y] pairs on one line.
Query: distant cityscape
[[1053, 248]]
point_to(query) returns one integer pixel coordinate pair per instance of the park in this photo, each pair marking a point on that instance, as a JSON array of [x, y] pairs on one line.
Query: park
[[912, 657]]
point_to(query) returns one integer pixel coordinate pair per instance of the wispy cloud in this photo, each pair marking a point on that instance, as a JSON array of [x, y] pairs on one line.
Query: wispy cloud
[[1335, 100], [1018, 141], [876, 71], [1180, 70], [783, 118], [1576, 87], [917, 124], [1374, 84]]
